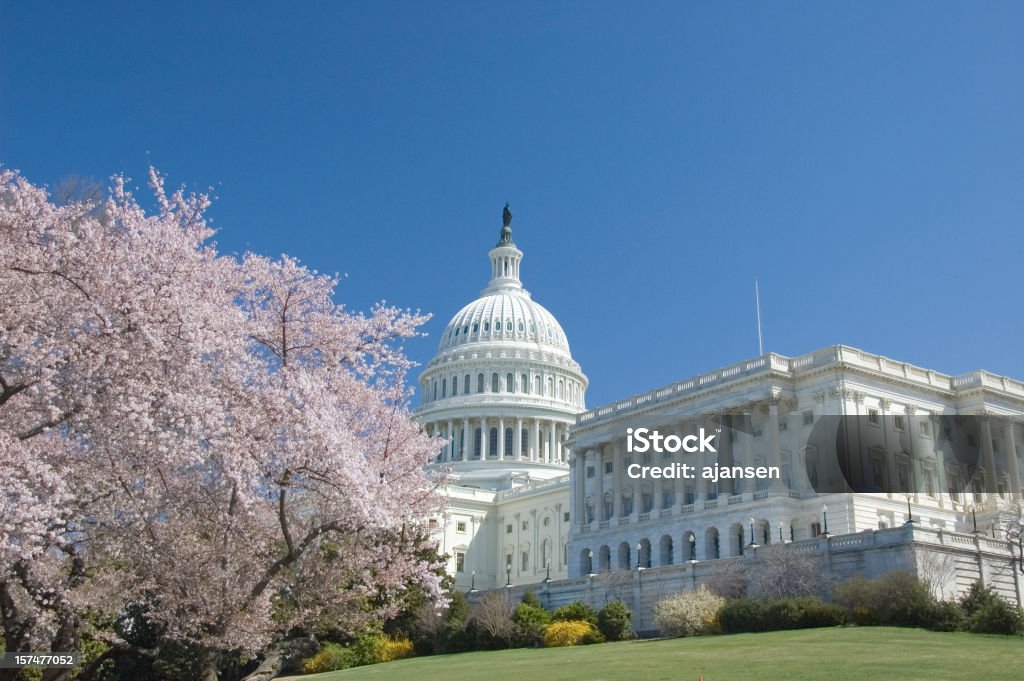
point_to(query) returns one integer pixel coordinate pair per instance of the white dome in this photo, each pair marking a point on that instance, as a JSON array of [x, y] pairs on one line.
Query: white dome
[[505, 315]]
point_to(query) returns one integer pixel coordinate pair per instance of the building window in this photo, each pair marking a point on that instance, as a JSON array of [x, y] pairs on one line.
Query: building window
[[808, 417], [783, 425], [904, 476], [899, 422], [609, 467], [492, 448], [477, 443], [524, 441], [510, 383], [590, 471], [815, 529], [525, 525], [508, 528], [479, 383], [460, 561], [526, 554], [465, 385], [476, 326], [873, 417], [432, 523], [460, 526], [925, 428], [455, 386], [524, 384], [509, 434], [878, 470], [495, 383]]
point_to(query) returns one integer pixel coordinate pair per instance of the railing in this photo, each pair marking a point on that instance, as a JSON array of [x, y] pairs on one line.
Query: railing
[[824, 357], [735, 499]]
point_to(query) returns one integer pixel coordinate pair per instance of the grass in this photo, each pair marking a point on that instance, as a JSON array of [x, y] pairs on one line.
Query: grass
[[837, 654]]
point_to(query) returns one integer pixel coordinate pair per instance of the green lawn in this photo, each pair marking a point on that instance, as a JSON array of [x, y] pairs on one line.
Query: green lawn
[[839, 654]]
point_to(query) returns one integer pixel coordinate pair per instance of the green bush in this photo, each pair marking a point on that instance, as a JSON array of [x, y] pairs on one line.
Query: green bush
[[568, 633], [530, 621], [986, 612], [615, 622], [576, 611], [530, 598], [896, 598], [331, 657], [948, 616], [754, 614], [591, 637]]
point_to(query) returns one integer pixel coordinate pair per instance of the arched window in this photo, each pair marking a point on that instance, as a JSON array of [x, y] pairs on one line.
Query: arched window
[[545, 552], [465, 385], [492, 444], [561, 389], [495, 384], [465, 329], [477, 443], [455, 386], [536, 385], [435, 390], [508, 325], [479, 383], [444, 388], [509, 434], [476, 327], [524, 384], [520, 327], [551, 387], [510, 383], [487, 326], [524, 441]]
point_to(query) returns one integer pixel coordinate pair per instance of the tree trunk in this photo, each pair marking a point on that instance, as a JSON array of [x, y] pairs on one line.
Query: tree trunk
[[208, 663]]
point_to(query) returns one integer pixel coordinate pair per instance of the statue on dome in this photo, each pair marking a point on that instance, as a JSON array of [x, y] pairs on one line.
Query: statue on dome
[[506, 216]]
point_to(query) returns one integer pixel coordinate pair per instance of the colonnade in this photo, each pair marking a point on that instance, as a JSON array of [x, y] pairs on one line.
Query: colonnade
[[514, 438]]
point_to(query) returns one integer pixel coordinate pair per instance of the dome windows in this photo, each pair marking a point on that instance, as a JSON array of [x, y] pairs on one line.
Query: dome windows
[[476, 327], [521, 327], [487, 326], [508, 325]]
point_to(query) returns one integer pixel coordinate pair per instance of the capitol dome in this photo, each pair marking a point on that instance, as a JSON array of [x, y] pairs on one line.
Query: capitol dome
[[503, 388]]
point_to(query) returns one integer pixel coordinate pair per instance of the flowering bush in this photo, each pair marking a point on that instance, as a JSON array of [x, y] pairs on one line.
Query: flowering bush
[[569, 633], [689, 613]]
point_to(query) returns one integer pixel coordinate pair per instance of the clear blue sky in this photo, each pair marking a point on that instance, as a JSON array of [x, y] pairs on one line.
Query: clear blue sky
[[865, 160]]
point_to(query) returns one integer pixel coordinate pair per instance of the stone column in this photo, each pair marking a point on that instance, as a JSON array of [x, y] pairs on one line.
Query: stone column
[[776, 448], [637, 489], [1012, 466], [467, 441], [579, 490], [618, 472], [517, 440], [535, 454], [554, 444], [598, 456], [484, 438], [988, 456], [914, 432], [501, 438], [451, 440]]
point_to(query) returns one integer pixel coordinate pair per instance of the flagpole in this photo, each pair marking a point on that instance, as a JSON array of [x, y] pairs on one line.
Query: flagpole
[[757, 301]]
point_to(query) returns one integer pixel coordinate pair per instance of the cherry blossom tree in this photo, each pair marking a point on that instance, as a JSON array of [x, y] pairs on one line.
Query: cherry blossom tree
[[212, 440]]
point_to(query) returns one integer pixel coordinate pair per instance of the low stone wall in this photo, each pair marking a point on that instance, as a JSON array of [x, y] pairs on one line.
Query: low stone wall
[[950, 561]]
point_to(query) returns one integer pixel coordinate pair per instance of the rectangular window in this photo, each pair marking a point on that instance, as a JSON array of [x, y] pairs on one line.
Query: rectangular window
[[873, 417], [508, 529], [526, 561], [808, 417], [460, 526], [432, 523], [608, 467], [925, 428], [460, 561], [525, 525], [899, 422], [565, 517], [590, 471], [783, 425]]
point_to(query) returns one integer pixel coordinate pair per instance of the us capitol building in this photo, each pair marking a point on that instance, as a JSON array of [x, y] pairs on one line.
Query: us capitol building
[[884, 465]]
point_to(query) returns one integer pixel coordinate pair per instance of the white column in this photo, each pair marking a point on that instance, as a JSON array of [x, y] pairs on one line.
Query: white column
[[776, 447], [517, 440], [580, 490], [501, 438], [466, 439], [554, 444], [484, 438], [1013, 468], [535, 441], [598, 456], [988, 456], [617, 473], [451, 440]]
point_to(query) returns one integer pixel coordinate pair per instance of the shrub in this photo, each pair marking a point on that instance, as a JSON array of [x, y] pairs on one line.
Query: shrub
[[896, 598], [748, 614], [615, 622], [947, 616], [986, 612], [530, 622], [331, 657], [568, 633], [689, 613], [389, 648], [530, 598], [592, 636], [574, 612]]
